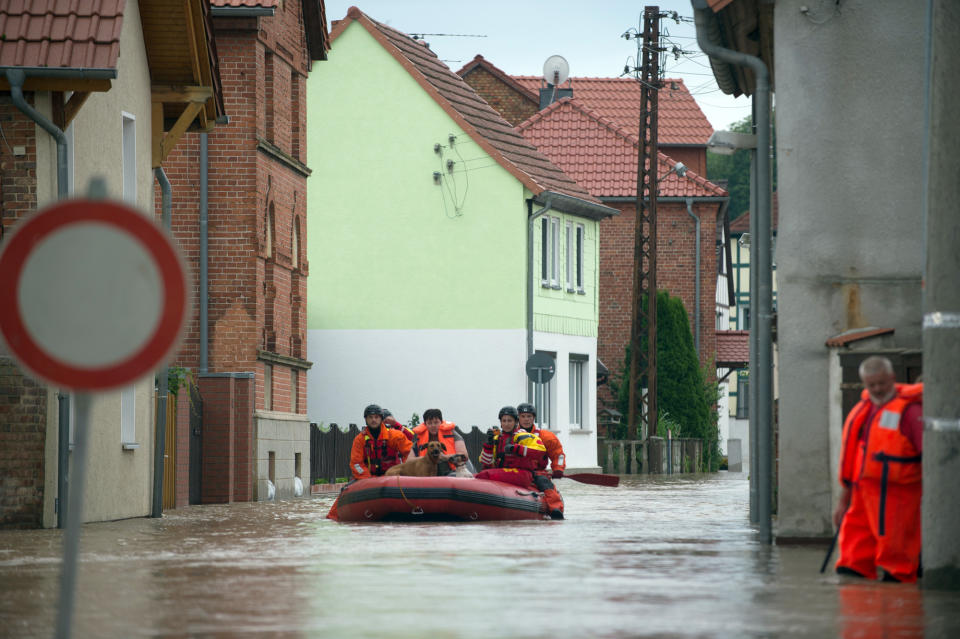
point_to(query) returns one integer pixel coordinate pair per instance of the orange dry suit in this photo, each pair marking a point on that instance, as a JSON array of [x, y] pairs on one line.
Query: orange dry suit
[[372, 456], [444, 436], [881, 527], [512, 458], [557, 460]]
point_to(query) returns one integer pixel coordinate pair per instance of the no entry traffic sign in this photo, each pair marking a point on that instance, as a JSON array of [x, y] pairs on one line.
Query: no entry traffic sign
[[93, 294]]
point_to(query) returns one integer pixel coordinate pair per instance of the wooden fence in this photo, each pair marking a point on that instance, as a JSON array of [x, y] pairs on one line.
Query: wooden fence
[[330, 450], [655, 456]]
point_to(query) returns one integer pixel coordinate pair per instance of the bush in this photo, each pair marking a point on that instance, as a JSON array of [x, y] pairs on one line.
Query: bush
[[685, 401]]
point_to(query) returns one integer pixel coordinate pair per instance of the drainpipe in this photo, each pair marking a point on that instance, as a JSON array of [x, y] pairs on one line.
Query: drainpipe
[[16, 78], [166, 204], [761, 299], [531, 218], [696, 297], [204, 227]]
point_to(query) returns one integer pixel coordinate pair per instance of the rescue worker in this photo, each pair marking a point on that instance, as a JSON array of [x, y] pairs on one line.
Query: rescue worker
[[434, 428], [391, 422], [878, 513], [555, 456], [511, 455], [375, 449]]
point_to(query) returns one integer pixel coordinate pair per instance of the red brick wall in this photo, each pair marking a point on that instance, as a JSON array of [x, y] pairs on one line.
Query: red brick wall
[[512, 105], [18, 174], [676, 267], [23, 424], [218, 439], [256, 296], [244, 461]]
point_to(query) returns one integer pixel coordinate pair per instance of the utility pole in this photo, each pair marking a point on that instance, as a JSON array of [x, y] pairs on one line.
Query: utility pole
[[644, 321]]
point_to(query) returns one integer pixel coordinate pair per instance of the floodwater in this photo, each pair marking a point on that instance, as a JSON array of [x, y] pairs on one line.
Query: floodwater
[[656, 557]]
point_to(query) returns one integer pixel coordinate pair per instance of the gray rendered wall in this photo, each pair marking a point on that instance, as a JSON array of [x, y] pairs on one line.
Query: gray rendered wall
[[849, 109]]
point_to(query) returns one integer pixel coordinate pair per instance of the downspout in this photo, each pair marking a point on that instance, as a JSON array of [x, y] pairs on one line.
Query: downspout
[[760, 256], [696, 296], [204, 246], [16, 78], [166, 204], [531, 217]]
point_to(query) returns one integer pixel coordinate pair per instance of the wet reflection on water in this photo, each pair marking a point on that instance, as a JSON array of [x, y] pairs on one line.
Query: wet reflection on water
[[654, 557]]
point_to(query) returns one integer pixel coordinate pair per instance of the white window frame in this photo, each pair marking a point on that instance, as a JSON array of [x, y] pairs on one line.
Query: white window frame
[[568, 257], [555, 256], [129, 151], [580, 243], [578, 366], [546, 410], [128, 417]]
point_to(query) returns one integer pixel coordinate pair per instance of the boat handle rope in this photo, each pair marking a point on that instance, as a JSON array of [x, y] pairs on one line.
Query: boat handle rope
[[414, 509]]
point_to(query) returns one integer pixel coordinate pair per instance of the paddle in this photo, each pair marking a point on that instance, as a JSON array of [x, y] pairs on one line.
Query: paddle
[[595, 478], [833, 544]]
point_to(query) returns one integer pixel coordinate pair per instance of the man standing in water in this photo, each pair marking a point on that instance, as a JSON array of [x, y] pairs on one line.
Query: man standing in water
[[878, 513]]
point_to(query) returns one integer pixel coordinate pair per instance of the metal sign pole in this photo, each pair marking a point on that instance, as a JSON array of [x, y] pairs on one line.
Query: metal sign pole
[[540, 396]]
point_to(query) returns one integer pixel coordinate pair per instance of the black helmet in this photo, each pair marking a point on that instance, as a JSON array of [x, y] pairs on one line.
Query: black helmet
[[527, 408], [508, 410], [385, 412], [372, 409]]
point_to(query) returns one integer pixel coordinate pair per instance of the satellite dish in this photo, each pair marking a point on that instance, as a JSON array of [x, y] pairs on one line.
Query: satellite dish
[[556, 70]]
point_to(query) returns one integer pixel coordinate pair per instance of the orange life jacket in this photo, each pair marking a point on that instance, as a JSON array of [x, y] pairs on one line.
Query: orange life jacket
[[528, 453], [884, 453], [444, 435], [378, 454]]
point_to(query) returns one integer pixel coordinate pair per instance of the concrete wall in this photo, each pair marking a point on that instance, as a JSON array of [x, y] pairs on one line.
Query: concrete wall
[[849, 134], [286, 437]]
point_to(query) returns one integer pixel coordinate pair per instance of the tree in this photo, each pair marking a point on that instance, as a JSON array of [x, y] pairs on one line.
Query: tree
[[684, 397], [735, 169]]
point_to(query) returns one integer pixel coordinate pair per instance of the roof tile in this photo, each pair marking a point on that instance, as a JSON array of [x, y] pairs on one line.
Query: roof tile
[[733, 349], [681, 120], [601, 155], [61, 33]]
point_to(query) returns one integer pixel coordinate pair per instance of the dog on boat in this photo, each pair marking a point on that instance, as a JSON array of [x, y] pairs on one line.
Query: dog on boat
[[425, 466]]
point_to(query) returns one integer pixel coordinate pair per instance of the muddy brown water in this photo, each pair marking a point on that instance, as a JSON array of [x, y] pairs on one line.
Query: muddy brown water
[[656, 557]]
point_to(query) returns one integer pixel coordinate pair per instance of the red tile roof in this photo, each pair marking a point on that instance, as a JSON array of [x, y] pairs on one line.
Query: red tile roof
[[601, 155], [742, 223], [60, 33], [733, 349], [470, 111], [681, 120], [857, 334]]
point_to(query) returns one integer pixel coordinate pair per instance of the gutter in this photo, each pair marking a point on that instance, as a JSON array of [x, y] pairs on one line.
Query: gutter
[[761, 299], [241, 12], [633, 199], [74, 73], [531, 218], [696, 297], [166, 203], [16, 77], [575, 205]]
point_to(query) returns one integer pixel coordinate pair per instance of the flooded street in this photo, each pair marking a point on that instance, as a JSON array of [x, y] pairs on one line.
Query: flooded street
[[671, 557]]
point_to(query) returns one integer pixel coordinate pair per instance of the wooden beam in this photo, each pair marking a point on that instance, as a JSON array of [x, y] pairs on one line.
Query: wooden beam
[[171, 137], [183, 93], [189, 12], [60, 84], [72, 107]]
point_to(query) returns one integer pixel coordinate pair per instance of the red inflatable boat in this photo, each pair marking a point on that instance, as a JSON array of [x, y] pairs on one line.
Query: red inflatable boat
[[398, 498]]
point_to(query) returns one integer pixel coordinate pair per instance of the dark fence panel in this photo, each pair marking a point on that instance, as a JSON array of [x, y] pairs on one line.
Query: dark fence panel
[[330, 452]]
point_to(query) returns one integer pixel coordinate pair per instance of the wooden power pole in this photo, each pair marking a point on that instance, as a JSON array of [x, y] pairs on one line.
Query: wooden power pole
[[644, 320]]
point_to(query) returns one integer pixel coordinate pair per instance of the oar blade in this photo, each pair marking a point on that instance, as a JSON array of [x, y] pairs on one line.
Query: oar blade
[[597, 479]]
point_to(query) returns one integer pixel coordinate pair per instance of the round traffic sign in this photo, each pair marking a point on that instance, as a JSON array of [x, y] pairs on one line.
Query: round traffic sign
[[540, 367], [94, 294]]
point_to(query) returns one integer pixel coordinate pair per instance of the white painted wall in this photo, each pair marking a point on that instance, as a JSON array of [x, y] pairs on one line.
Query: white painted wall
[[468, 374]]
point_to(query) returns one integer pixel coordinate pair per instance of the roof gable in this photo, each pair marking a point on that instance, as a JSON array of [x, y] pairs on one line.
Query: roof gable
[[681, 121], [479, 62], [484, 125], [601, 155]]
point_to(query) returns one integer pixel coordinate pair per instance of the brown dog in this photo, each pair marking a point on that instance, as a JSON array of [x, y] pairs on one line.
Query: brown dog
[[425, 466]]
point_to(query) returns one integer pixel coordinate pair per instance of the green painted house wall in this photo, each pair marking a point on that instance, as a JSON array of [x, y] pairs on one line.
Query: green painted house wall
[[456, 250], [559, 310]]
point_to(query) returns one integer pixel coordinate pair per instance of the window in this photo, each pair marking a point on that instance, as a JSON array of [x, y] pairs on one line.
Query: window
[[550, 252], [744, 318], [128, 415], [544, 402], [579, 261], [129, 158], [267, 387], [743, 397], [578, 374], [569, 257], [294, 389]]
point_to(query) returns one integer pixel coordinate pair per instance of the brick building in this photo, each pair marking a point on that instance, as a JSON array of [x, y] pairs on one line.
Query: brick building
[[592, 136], [248, 353]]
